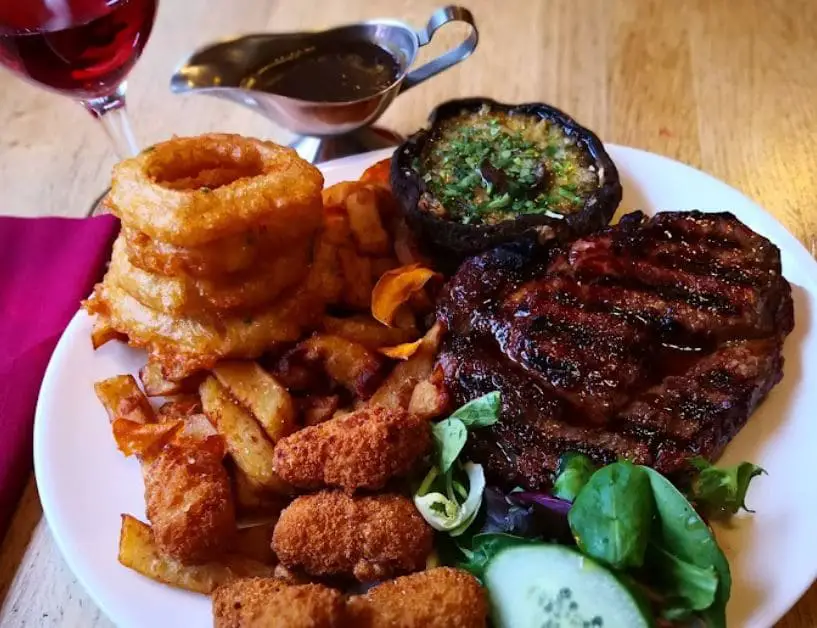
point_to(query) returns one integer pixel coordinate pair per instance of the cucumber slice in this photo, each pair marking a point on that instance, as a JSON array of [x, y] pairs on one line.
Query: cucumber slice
[[552, 586]]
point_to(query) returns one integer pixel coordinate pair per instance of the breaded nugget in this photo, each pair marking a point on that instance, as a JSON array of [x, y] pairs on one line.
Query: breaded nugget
[[189, 502], [360, 450], [269, 603], [438, 598], [371, 537]]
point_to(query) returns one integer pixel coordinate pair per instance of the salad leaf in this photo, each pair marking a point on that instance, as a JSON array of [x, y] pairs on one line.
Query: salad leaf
[[612, 514], [449, 438], [573, 473], [555, 504], [549, 513], [486, 546], [504, 515], [721, 492], [680, 531], [480, 412], [684, 586], [451, 434], [444, 512]]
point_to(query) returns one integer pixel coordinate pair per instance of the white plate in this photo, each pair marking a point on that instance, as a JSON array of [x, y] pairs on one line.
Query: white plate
[[85, 483]]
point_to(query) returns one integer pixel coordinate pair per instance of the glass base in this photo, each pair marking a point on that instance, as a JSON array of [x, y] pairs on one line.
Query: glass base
[[98, 207], [319, 149]]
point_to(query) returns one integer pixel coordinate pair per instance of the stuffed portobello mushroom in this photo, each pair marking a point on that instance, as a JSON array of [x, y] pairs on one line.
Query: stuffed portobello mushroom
[[484, 172]]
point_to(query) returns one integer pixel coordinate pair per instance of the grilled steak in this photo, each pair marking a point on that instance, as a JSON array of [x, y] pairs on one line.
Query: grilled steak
[[653, 340]]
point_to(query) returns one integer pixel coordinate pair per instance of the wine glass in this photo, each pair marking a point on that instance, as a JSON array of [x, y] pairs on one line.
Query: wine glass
[[81, 48]]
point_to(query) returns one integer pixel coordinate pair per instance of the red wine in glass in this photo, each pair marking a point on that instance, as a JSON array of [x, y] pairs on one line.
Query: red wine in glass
[[81, 48]]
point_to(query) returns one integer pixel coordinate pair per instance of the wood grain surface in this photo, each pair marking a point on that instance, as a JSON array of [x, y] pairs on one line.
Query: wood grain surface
[[728, 86]]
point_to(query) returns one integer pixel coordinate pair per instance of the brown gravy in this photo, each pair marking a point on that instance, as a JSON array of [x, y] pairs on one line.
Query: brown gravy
[[340, 72]]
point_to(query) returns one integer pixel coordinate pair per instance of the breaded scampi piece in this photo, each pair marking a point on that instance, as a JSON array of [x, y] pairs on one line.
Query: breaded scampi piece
[[189, 501], [362, 450], [368, 537], [438, 598], [270, 603]]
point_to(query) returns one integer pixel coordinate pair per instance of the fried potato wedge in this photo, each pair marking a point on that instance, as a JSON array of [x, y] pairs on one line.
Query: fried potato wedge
[[348, 363], [430, 397], [364, 330], [156, 385], [395, 288], [144, 440], [381, 265], [378, 173], [254, 542], [138, 551], [102, 332], [397, 389], [122, 399], [245, 440], [253, 502], [406, 319], [405, 245], [357, 278], [336, 228], [179, 407], [317, 409], [364, 220], [324, 277], [336, 194], [261, 394], [197, 427]]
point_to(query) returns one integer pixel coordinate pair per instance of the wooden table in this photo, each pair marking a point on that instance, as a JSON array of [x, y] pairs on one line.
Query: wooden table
[[728, 86]]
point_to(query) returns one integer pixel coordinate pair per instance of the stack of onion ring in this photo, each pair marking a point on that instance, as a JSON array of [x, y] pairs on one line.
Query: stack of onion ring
[[214, 253]]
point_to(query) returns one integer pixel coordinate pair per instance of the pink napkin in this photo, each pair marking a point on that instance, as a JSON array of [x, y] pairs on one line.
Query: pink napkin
[[47, 266]]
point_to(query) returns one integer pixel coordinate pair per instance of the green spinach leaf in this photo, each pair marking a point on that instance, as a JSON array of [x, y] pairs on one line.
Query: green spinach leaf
[[685, 587], [721, 492], [484, 547], [449, 438], [573, 473], [612, 514], [480, 412], [680, 531]]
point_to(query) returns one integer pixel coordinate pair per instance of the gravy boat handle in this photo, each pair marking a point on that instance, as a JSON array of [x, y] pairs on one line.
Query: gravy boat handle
[[440, 17]]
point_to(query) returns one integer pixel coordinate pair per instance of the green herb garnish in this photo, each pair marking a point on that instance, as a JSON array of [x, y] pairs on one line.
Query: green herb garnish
[[490, 166], [722, 491]]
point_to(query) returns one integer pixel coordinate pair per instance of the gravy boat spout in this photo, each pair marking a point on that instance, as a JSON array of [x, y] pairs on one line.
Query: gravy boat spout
[[225, 69]]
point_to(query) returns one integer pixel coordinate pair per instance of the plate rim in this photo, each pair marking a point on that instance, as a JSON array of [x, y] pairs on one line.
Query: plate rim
[[783, 239]]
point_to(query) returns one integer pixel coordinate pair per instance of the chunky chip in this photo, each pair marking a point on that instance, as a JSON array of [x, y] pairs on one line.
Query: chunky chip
[[246, 442], [259, 392], [122, 399], [138, 551], [144, 440], [364, 219], [348, 363], [398, 387], [364, 330], [378, 173]]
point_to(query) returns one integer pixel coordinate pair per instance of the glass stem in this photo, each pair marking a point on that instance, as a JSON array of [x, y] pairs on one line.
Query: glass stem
[[111, 112]]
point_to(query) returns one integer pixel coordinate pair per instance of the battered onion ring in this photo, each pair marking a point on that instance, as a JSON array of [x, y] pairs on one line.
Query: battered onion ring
[[220, 257], [182, 346], [192, 190], [184, 295]]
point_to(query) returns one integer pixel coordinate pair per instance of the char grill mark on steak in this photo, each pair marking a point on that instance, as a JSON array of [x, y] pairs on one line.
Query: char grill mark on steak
[[591, 358], [699, 411], [580, 341]]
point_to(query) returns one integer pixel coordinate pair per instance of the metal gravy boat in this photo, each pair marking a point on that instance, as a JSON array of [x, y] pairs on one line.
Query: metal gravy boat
[[326, 129]]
